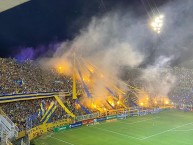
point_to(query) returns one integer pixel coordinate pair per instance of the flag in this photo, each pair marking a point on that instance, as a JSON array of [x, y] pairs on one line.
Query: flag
[[83, 108], [111, 92], [19, 82], [42, 108], [49, 112], [84, 85]]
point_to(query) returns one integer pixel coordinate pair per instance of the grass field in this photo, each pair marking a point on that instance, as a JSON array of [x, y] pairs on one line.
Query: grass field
[[165, 128]]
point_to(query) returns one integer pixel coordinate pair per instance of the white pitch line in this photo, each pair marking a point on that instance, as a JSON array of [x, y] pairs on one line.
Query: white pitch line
[[61, 140], [117, 133], [184, 130], [143, 120], [165, 131]]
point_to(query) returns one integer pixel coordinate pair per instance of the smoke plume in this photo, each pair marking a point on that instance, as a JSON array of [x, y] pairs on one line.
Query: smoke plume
[[121, 38]]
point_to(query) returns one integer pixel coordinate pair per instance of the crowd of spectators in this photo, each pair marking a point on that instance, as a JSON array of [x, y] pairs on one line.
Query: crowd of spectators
[[30, 77], [20, 111], [180, 91]]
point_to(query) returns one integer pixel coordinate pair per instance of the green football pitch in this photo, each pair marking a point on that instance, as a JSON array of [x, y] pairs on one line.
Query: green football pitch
[[165, 128]]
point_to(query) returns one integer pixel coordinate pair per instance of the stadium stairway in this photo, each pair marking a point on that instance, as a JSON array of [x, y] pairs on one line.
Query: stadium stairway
[[8, 130]]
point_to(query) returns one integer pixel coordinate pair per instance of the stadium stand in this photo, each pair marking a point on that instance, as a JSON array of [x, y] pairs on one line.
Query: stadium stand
[[182, 91], [30, 77], [27, 95]]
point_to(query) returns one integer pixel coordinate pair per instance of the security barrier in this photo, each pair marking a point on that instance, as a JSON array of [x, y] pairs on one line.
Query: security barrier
[[88, 116], [97, 120], [85, 119]]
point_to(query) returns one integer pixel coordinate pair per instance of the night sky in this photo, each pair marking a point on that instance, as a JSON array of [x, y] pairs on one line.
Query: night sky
[[40, 23]]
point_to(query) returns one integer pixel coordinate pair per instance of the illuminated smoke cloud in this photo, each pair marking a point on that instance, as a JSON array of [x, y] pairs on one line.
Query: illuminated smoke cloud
[[123, 39]]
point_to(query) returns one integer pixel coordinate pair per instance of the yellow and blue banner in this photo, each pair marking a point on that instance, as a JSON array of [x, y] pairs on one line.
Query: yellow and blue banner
[[49, 112], [64, 107], [84, 85], [83, 108], [42, 108]]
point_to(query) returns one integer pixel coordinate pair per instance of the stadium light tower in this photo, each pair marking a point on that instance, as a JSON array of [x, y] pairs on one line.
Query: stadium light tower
[[157, 23]]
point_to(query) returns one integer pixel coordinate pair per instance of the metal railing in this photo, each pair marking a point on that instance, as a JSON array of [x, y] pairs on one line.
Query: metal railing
[[9, 120], [88, 116]]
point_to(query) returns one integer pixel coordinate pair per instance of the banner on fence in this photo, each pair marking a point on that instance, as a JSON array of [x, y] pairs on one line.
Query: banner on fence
[[65, 127], [87, 121], [37, 131], [101, 119], [52, 125], [77, 124], [111, 117]]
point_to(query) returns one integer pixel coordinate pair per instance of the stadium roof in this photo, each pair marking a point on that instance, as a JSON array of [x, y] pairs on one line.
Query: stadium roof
[[8, 4]]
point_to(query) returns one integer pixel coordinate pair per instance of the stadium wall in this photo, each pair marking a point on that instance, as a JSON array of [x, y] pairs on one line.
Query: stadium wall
[[41, 129]]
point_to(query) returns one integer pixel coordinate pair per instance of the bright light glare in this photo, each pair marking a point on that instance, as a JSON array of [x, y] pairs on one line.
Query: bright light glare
[[161, 16], [157, 23], [153, 24]]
